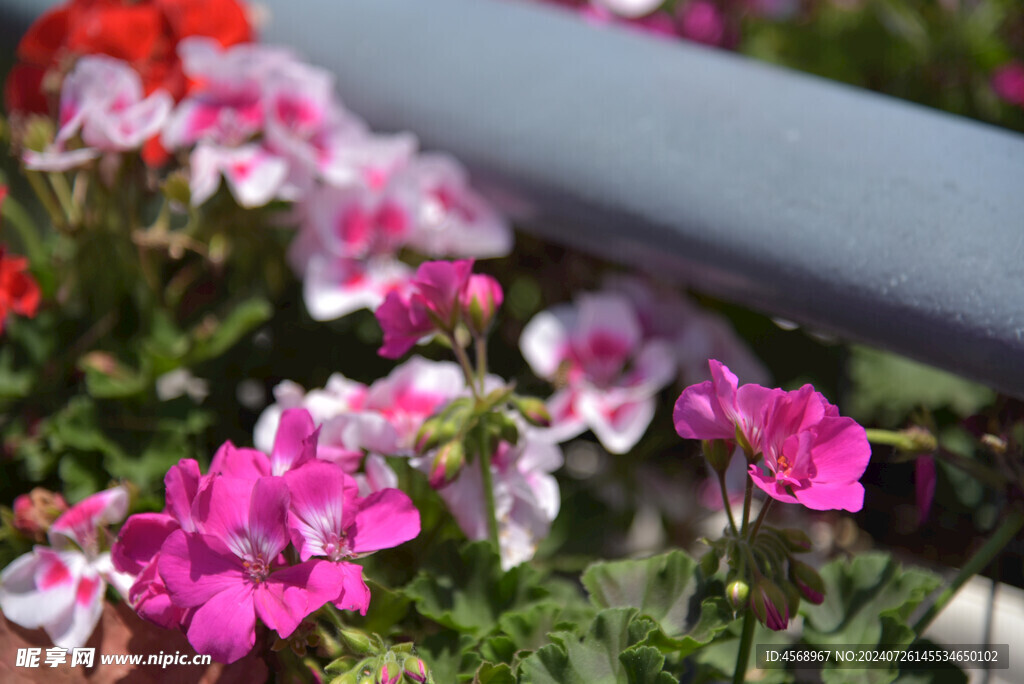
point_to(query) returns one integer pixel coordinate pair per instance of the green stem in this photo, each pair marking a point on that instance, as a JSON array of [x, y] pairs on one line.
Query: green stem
[[760, 518], [481, 361], [978, 562], [467, 368], [725, 502], [746, 641], [22, 222], [62, 190], [43, 191], [748, 495], [488, 485]]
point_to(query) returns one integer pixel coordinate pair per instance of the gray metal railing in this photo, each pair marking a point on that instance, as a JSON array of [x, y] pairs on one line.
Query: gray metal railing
[[850, 212]]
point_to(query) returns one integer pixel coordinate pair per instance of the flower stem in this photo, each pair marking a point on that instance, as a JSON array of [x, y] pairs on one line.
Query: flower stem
[[748, 495], [978, 562], [481, 360], [467, 368], [46, 198], [760, 518], [488, 485], [725, 502], [22, 222], [746, 641]]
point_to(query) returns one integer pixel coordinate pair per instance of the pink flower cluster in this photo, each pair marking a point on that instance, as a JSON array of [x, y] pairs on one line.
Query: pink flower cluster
[[611, 352], [361, 425], [61, 587], [441, 294], [267, 537], [273, 129], [812, 455]]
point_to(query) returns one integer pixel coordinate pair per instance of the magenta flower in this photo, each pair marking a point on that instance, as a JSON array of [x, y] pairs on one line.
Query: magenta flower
[[405, 321], [720, 409], [702, 22], [432, 303], [60, 588], [229, 571], [327, 518], [1008, 82], [812, 455], [137, 549], [295, 443]]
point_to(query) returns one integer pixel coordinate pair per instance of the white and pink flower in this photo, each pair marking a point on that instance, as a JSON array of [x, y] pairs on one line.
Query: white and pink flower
[[61, 587], [102, 102], [607, 375]]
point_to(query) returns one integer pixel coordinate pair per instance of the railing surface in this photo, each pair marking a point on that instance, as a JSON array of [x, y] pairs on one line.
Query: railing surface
[[849, 212]]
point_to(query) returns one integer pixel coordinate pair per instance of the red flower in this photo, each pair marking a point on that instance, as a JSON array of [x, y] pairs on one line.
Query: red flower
[[18, 291], [143, 33]]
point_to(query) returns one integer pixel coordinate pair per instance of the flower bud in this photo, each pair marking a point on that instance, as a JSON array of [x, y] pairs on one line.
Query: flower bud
[[480, 302], [447, 463], [770, 605], [737, 593], [807, 581], [415, 670], [792, 596], [533, 410], [35, 512], [389, 673], [797, 541], [357, 641], [433, 432], [718, 454]]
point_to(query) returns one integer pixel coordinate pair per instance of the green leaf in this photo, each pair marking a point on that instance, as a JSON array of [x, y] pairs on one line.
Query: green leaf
[[667, 588], [211, 339], [867, 601], [597, 656], [467, 591], [15, 381], [489, 673], [644, 665], [886, 388]]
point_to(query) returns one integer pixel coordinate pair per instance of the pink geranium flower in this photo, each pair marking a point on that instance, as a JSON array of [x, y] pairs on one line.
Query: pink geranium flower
[[431, 304], [229, 571], [137, 550], [812, 455], [60, 588], [720, 409], [328, 519]]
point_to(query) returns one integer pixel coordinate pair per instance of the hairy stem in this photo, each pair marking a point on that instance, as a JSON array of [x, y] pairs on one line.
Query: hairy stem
[[488, 485], [746, 641], [725, 502]]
